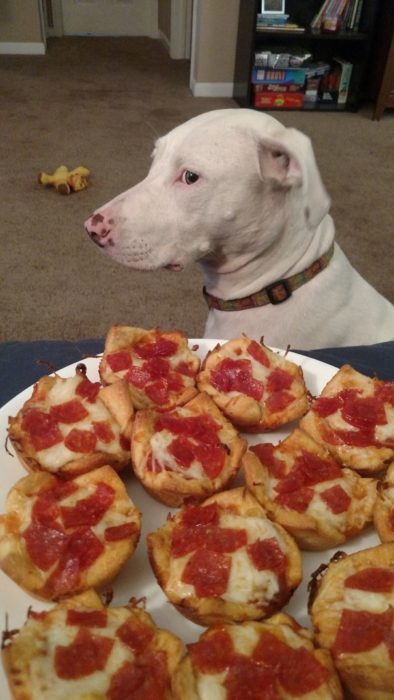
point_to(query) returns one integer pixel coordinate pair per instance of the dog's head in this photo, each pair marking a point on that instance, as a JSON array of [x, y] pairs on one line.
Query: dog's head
[[223, 184]]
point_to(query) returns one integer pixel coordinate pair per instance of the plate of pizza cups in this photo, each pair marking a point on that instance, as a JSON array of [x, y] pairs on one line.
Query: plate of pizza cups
[[220, 458]]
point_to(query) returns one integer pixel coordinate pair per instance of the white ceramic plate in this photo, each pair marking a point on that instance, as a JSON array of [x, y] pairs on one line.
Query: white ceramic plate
[[136, 579]]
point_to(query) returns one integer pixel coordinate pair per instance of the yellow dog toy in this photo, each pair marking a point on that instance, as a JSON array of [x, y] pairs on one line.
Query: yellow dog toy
[[65, 180]]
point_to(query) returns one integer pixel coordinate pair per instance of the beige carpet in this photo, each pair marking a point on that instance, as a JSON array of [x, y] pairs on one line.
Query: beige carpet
[[101, 103]]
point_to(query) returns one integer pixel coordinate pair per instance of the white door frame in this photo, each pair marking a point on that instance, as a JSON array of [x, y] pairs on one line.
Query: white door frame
[[181, 28], [57, 16]]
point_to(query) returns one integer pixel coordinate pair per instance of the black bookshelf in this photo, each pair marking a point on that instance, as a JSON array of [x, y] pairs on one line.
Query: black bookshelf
[[350, 46]]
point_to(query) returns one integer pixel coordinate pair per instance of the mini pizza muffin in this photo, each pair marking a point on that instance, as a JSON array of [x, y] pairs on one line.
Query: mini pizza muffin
[[188, 453], [273, 660], [384, 507], [224, 560], [79, 650], [61, 537], [352, 609], [159, 367], [256, 388], [354, 418], [72, 425], [304, 489]]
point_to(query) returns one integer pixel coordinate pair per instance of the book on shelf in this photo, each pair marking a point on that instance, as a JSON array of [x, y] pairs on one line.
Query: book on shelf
[[343, 15], [272, 75], [280, 23], [335, 85], [282, 100]]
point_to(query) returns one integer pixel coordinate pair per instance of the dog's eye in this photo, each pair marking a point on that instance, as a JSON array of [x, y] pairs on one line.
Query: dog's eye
[[189, 178]]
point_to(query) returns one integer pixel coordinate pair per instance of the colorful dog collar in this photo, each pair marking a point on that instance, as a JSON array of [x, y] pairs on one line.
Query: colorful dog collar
[[275, 293]]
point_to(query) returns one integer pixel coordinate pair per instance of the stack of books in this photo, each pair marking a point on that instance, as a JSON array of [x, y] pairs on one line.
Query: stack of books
[[336, 83], [276, 23], [343, 15], [294, 88], [278, 88]]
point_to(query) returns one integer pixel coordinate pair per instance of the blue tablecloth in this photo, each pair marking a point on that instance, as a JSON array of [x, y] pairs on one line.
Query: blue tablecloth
[[21, 364]]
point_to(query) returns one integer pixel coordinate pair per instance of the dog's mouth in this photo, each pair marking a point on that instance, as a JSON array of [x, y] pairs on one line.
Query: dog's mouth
[[174, 267]]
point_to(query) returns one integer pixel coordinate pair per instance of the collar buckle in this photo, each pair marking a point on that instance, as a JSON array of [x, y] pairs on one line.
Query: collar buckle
[[278, 292]]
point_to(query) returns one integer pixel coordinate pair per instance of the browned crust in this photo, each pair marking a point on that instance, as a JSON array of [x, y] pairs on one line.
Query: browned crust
[[117, 401], [26, 647], [384, 506], [247, 413], [172, 488], [14, 559], [184, 681], [368, 460], [211, 611], [123, 338], [368, 675], [312, 532]]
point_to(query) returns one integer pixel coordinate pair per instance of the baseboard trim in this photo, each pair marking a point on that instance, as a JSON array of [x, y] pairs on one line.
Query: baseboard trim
[[22, 47], [212, 89]]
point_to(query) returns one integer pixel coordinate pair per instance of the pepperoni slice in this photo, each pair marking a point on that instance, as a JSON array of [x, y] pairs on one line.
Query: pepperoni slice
[[309, 469], [162, 347], [86, 655], [185, 369], [279, 380], [258, 353], [88, 390], [298, 500], [135, 634], [217, 539], [361, 631], [147, 679], [247, 679], [157, 367], [138, 376], [120, 532], [336, 498], [266, 453], [202, 428], [103, 431], [302, 673], [267, 554], [326, 405], [236, 375], [44, 545], [69, 411], [120, 360], [364, 412], [279, 401], [211, 457], [214, 653], [81, 550], [376, 579], [42, 428], [208, 572], [157, 391], [89, 511], [87, 618], [83, 441], [201, 515]]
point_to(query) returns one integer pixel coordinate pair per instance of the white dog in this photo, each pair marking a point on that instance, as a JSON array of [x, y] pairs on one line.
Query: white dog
[[241, 194]]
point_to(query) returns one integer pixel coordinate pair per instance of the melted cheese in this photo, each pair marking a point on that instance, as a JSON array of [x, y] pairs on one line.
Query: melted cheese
[[356, 599], [159, 445], [56, 456], [46, 685], [246, 584], [210, 686]]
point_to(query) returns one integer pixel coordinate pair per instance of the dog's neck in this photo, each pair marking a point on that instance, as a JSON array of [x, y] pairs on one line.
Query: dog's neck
[[236, 276]]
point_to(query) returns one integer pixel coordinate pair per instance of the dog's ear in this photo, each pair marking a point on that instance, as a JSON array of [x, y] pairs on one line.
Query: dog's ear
[[287, 158]]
